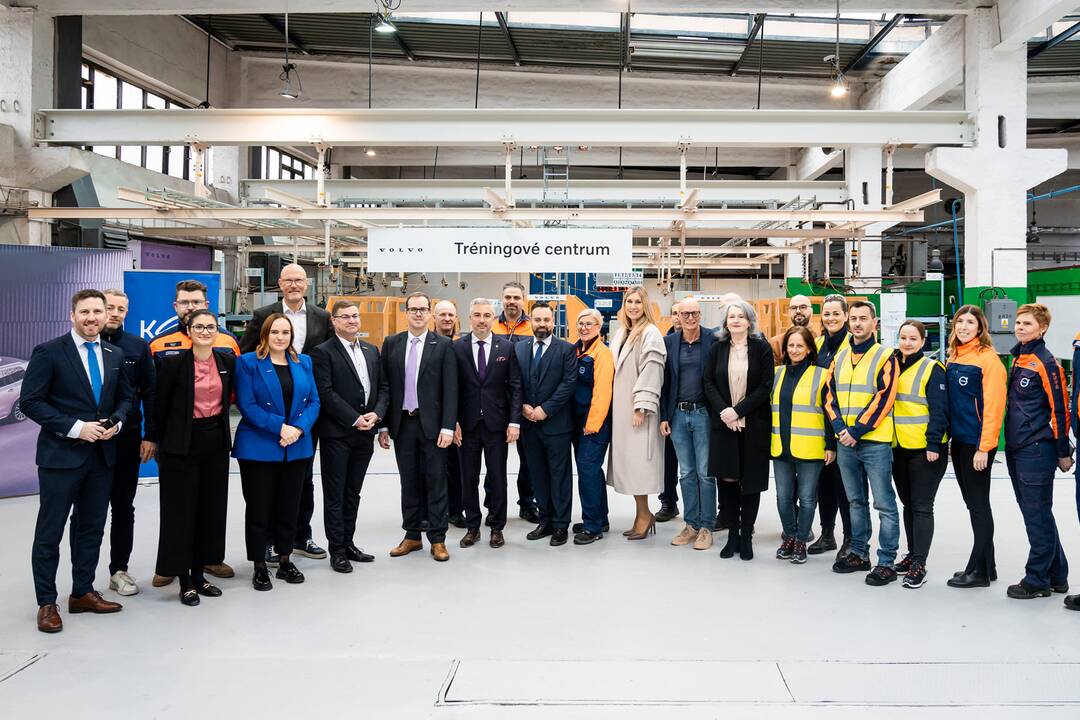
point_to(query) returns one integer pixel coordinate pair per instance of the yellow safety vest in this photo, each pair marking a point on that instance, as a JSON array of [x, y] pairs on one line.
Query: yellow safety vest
[[857, 384], [807, 439], [911, 412]]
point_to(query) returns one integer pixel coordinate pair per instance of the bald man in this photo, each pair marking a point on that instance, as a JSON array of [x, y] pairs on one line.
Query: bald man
[[446, 324], [800, 312], [311, 328]]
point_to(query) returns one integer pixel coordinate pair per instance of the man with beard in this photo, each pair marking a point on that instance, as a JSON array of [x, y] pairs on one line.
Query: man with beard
[[800, 312], [446, 324]]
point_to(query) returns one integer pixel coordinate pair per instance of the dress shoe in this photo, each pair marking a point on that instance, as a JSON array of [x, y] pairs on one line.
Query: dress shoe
[[968, 580], [261, 579], [497, 540], [1060, 588], [558, 537], [357, 555], [1072, 602], [339, 562], [541, 531], [48, 618], [207, 589], [310, 550], [686, 536], [825, 543], [586, 538], [993, 574], [123, 584], [1023, 591], [161, 580], [438, 551], [406, 546], [668, 511], [457, 520], [92, 602], [189, 597], [471, 537], [289, 573], [529, 514], [580, 527], [220, 571]]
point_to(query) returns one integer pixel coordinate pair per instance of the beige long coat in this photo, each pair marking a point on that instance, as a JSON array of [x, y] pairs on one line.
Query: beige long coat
[[636, 457]]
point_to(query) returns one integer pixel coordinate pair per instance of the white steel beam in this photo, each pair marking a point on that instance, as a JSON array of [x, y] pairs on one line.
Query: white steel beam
[[927, 73], [813, 162], [1021, 20], [454, 127], [651, 192]]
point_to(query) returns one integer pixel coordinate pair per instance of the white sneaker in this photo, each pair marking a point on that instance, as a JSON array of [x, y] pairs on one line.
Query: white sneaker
[[123, 584]]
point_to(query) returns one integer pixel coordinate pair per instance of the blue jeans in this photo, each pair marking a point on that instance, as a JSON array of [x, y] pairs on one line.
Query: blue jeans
[[870, 461], [690, 436], [589, 453], [1032, 469], [796, 477]]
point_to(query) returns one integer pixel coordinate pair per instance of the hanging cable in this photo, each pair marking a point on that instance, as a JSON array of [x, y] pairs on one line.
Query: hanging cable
[[209, 38], [760, 60], [370, 36], [479, 37]]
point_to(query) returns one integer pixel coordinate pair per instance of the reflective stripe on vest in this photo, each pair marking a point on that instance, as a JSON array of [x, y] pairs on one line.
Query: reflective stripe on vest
[[856, 386], [807, 439], [911, 413]]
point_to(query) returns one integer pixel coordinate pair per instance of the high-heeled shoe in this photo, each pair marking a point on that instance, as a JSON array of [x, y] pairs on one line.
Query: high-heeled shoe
[[650, 529]]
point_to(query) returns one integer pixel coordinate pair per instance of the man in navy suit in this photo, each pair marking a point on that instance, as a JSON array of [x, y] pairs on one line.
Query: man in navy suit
[[489, 419], [76, 390], [548, 368]]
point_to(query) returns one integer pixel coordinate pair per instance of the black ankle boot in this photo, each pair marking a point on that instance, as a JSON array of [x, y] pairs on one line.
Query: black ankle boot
[[825, 543], [732, 544], [746, 545]]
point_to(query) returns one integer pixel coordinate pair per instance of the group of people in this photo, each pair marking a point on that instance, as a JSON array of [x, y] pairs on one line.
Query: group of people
[[842, 419]]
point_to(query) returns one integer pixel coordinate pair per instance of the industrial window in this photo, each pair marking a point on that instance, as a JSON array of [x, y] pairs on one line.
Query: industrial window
[[278, 164]]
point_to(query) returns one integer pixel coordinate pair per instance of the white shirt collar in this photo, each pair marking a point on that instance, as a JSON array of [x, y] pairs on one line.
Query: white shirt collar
[[346, 343], [80, 340], [488, 341], [422, 337], [285, 307]]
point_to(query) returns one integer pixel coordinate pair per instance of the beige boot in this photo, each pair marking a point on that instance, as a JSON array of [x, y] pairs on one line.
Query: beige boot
[[685, 537], [704, 539]]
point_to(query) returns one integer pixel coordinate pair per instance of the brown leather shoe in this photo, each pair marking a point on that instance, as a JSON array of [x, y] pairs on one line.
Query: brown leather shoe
[[161, 580], [48, 619], [92, 602], [472, 536], [221, 571], [407, 546], [438, 551], [496, 539]]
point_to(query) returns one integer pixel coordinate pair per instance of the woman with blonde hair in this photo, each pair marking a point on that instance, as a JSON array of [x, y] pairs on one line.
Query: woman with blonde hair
[[636, 458]]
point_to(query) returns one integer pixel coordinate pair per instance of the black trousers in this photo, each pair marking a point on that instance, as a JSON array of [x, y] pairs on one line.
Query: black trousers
[[344, 464], [738, 510], [452, 470], [917, 480], [307, 496], [272, 495], [125, 482], [526, 494], [84, 494], [551, 475], [975, 488], [670, 496], [423, 494], [194, 498], [492, 446], [833, 498]]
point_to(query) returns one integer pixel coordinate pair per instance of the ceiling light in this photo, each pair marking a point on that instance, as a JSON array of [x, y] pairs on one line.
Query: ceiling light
[[287, 91], [370, 152], [385, 26], [839, 86]]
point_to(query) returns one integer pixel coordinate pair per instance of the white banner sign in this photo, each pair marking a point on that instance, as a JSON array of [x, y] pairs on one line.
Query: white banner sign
[[503, 250]]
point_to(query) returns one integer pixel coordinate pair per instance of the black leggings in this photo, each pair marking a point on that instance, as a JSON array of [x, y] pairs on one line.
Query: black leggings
[[975, 487], [738, 510], [917, 481], [832, 498]]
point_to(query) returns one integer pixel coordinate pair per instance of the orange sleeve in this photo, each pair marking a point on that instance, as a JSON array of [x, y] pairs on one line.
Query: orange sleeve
[[233, 346], [995, 380], [603, 381]]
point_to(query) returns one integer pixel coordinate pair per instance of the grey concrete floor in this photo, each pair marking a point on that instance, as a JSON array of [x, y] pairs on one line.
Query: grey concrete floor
[[601, 631]]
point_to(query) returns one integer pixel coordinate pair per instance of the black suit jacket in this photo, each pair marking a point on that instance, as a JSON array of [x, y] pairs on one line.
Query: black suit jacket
[[56, 392], [436, 384], [341, 396], [175, 401], [319, 329], [552, 387], [497, 400]]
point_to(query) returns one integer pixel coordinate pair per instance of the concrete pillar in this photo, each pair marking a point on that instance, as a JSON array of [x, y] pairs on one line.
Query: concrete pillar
[[26, 56], [998, 170], [230, 166], [862, 261]]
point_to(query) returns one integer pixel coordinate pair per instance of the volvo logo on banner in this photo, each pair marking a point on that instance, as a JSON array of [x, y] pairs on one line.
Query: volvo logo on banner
[[528, 250]]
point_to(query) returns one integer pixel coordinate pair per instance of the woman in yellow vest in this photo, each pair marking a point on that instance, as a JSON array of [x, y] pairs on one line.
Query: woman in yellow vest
[[920, 419], [800, 444]]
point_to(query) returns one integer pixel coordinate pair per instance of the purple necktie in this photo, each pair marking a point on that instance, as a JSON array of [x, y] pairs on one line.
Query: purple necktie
[[481, 360], [410, 377]]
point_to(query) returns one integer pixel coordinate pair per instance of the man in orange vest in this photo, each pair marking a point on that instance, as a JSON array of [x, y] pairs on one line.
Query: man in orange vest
[[190, 296]]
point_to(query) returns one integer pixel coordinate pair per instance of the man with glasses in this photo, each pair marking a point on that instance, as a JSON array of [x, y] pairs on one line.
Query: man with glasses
[[353, 398], [684, 418], [311, 328], [422, 373], [446, 324], [800, 312]]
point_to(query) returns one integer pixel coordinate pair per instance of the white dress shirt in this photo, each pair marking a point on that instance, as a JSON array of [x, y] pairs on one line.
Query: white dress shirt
[[298, 318], [360, 363], [80, 347], [488, 342]]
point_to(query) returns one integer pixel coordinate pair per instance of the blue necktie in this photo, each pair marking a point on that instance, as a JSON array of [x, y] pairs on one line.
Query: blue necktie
[[95, 371], [536, 357]]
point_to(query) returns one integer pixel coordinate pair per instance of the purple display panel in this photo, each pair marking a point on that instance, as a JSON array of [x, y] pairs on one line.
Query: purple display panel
[[159, 256], [38, 285]]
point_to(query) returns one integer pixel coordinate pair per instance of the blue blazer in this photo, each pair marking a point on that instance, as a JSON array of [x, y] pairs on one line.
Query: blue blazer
[[670, 391], [262, 409]]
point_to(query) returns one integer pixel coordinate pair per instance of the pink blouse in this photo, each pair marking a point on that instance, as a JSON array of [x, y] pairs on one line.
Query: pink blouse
[[207, 389]]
